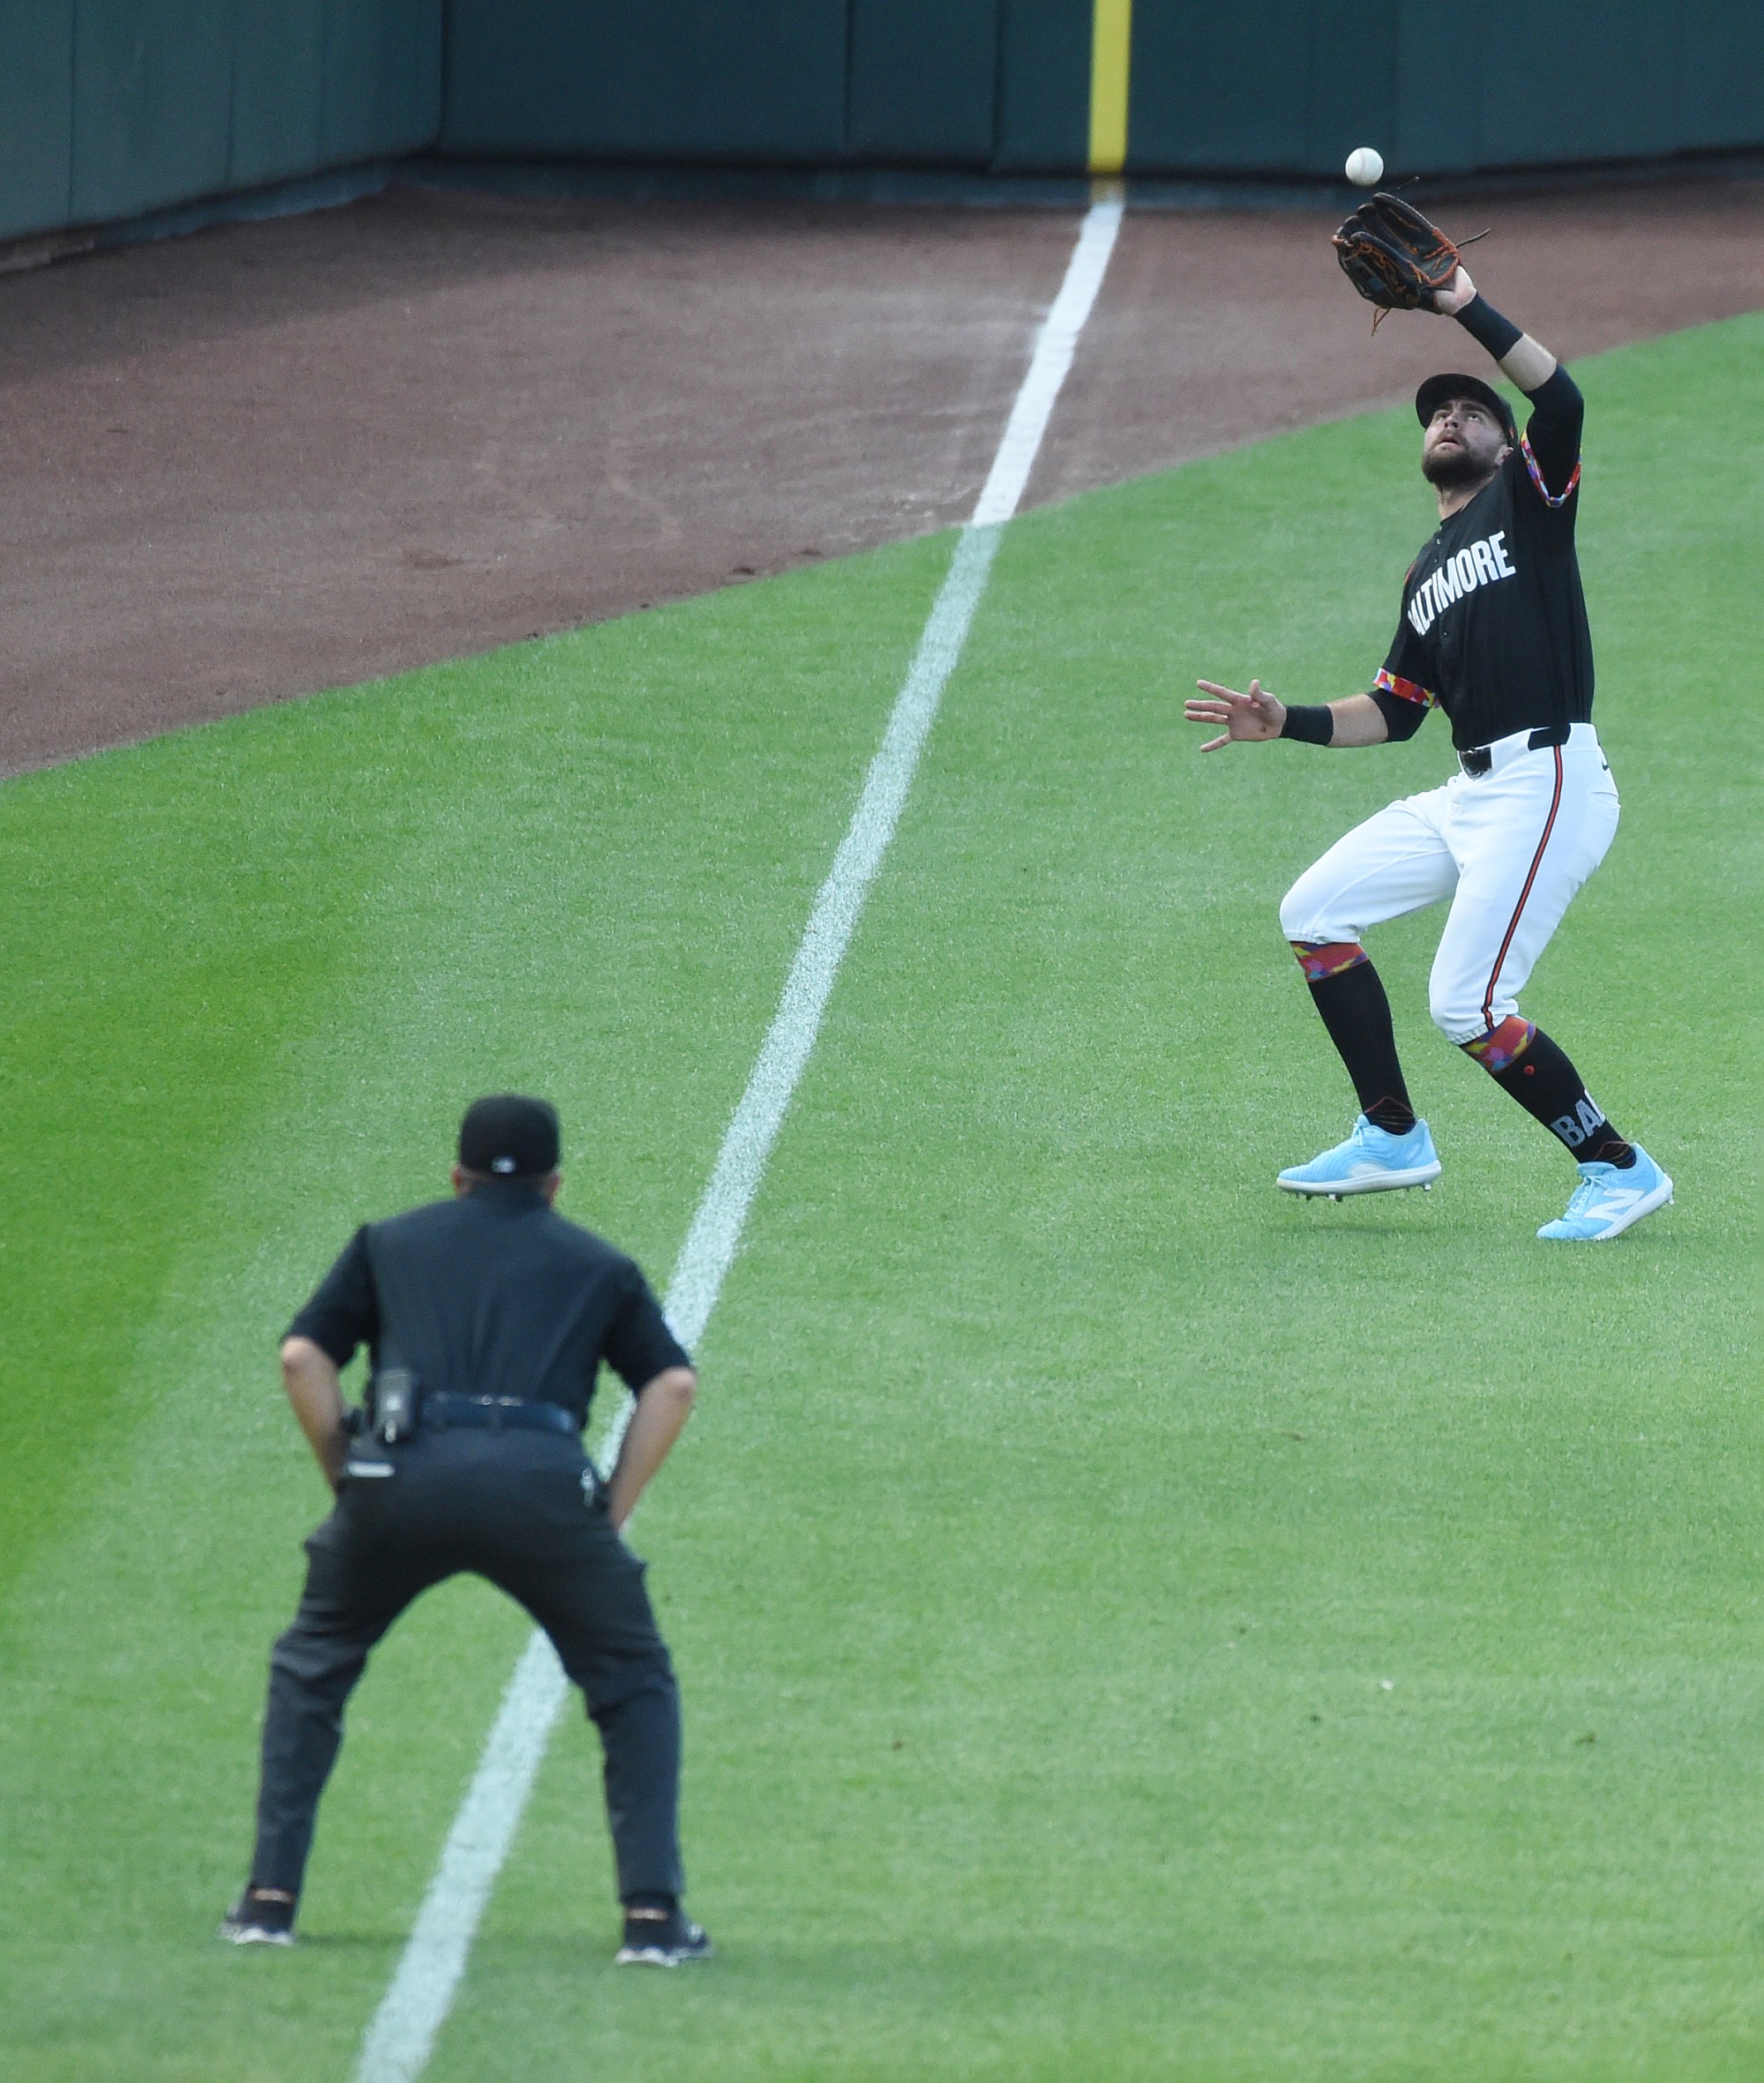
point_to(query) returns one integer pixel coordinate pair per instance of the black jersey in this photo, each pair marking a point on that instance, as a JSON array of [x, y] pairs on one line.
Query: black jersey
[[492, 1294], [1494, 624]]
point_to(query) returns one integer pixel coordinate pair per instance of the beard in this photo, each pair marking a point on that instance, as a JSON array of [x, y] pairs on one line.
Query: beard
[[1452, 466]]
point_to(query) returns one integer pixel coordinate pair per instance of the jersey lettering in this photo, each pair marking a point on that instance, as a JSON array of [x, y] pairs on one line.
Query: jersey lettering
[[1500, 657], [1480, 563]]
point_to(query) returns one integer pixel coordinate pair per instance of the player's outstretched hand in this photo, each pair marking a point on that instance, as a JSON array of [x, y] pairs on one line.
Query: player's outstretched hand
[[1247, 718]]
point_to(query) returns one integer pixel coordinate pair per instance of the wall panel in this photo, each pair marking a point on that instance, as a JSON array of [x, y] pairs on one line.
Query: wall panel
[[382, 78], [923, 85], [1044, 86], [113, 107], [1352, 90], [152, 103], [669, 79], [1439, 90], [278, 73], [1580, 88], [36, 115], [1721, 74], [1219, 88]]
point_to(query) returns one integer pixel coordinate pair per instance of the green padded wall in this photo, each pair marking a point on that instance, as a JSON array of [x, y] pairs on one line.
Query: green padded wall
[[1265, 87], [1572, 89], [112, 108], [922, 83], [1289, 86], [1721, 74], [109, 108], [1044, 87], [382, 79], [663, 79], [1215, 88], [277, 76], [36, 115], [1430, 129], [152, 103], [319, 83], [1352, 76]]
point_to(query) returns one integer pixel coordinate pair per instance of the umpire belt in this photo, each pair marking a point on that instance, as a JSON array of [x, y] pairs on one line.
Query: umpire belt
[[1481, 759], [444, 1411]]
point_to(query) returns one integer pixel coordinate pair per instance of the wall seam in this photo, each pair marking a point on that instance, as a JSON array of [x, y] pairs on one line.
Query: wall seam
[[232, 100], [73, 105], [324, 156]]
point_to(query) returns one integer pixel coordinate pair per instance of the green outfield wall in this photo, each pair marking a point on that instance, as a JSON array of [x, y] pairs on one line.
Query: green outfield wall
[[1261, 88], [110, 109], [1292, 85]]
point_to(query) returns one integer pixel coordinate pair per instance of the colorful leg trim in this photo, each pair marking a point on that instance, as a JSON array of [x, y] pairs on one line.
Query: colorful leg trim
[[1319, 958], [1502, 1045]]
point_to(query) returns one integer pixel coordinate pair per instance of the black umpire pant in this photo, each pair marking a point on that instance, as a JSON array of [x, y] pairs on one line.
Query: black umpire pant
[[513, 1508]]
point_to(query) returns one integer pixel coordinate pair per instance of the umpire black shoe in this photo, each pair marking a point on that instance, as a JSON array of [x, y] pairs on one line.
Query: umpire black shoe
[[661, 1938], [261, 1916]]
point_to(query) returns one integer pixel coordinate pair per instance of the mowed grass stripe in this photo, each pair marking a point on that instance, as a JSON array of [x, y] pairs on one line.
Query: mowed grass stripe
[[598, 855], [994, 1463], [1064, 1500]]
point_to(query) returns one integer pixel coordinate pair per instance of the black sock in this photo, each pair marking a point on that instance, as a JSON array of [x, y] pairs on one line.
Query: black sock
[[1350, 997], [1523, 1061]]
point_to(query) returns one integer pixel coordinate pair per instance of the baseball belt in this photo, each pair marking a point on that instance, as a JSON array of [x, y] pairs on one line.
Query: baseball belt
[[444, 1411], [1479, 758]]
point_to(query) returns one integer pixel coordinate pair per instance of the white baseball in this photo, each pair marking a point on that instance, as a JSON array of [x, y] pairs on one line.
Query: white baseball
[[1364, 167]]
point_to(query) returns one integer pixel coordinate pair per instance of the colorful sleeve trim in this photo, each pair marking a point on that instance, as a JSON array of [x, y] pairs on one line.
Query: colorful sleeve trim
[[1549, 497], [1409, 689]]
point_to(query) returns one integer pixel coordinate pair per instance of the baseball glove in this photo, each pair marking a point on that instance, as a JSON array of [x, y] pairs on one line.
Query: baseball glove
[[1393, 257]]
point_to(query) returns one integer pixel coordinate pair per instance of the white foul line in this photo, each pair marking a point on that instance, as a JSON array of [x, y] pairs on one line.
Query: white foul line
[[402, 2033]]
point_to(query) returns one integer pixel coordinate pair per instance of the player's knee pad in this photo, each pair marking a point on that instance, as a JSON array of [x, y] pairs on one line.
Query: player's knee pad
[[1497, 1046]]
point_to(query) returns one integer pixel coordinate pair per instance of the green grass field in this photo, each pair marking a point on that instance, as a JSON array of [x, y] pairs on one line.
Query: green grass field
[[1133, 1627]]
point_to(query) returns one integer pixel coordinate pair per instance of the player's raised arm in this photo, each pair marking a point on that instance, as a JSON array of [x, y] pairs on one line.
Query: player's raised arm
[[1257, 716], [1558, 410], [1523, 361]]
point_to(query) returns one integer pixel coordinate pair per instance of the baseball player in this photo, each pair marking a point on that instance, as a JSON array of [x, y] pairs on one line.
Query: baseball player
[[1493, 630]]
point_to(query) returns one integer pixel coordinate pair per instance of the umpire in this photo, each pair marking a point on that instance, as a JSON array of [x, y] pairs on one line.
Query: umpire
[[486, 1317]]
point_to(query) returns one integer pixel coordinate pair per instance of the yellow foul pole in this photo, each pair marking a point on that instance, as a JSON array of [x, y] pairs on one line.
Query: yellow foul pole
[[1111, 42]]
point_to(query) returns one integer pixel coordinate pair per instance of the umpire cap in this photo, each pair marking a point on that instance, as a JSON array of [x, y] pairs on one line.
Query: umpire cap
[[510, 1137], [1437, 390]]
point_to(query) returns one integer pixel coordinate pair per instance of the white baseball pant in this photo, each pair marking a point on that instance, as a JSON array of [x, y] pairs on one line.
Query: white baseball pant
[[1509, 848]]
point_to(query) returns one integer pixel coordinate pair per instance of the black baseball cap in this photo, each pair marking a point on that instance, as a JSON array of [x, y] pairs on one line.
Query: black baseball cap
[[510, 1137], [1439, 389]]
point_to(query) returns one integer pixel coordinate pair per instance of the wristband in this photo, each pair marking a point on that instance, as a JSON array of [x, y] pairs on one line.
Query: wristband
[[1312, 723], [1487, 327]]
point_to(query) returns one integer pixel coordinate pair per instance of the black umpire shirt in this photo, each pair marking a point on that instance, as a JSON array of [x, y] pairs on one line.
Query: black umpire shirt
[[492, 1294], [1494, 625]]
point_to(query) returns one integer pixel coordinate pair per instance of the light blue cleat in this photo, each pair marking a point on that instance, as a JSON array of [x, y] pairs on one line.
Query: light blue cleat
[[1607, 1201], [1371, 1160]]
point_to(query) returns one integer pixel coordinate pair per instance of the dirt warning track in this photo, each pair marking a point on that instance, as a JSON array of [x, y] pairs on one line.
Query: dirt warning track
[[283, 456]]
